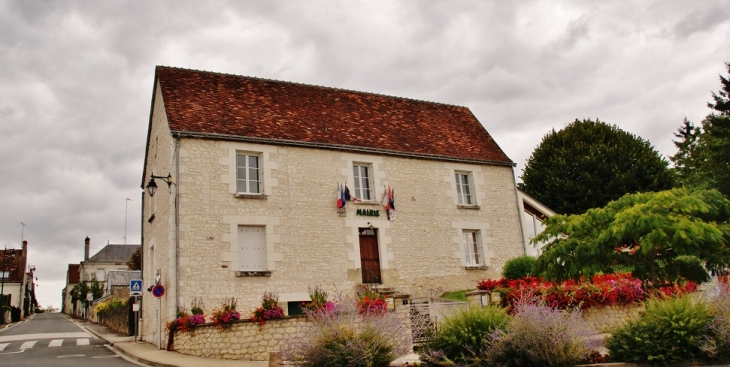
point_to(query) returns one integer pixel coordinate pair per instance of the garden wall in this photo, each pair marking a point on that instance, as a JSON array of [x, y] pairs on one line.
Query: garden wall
[[608, 318], [116, 319], [242, 340]]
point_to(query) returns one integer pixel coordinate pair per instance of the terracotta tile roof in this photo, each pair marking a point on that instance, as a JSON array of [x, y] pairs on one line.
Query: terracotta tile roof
[[201, 102]]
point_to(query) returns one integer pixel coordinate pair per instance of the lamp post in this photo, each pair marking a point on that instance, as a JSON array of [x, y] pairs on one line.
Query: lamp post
[[125, 219]]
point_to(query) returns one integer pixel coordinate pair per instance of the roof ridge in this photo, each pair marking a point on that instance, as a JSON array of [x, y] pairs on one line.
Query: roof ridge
[[316, 86]]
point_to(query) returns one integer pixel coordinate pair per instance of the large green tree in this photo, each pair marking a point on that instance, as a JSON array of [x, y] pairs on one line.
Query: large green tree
[[703, 153], [588, 164], [654, 234]]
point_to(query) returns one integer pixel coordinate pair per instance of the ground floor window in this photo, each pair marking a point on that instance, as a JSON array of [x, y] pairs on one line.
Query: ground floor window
[[473, 251]]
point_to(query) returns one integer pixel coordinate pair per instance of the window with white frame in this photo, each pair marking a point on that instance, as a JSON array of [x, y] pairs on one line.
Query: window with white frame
[[100, 275], [248, 173], [252, 248], [473, 251], [362, 173], [464, 188]]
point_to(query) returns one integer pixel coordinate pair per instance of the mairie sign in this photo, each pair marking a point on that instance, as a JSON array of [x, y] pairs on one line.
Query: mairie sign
[[135, 287]]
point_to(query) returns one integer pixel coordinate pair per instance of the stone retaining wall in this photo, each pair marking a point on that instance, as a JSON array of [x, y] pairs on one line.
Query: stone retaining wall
[[243, 340], [608, 318]]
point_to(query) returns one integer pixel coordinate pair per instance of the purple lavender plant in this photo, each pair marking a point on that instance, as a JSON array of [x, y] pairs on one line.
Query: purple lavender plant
[[539, 335], [341, 336]]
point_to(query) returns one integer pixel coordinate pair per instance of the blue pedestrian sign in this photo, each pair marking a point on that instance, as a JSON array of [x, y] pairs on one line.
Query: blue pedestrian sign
[[135, 287]]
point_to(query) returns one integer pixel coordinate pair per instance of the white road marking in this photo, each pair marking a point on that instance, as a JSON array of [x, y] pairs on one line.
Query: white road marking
[[10, 338], [28, 345], [72, 356], [55, 343], [3, 346], [82, 341]]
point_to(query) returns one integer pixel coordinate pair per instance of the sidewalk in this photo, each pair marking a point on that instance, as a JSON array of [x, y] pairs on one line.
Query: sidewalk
[[148, 354]]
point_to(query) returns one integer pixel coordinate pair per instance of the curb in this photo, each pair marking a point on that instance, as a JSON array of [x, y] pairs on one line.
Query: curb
[[125, 353]]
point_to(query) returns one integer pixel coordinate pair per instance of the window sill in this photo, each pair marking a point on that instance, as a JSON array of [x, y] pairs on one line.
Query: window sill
[[476, 267], [363, 202], [251, 196], [253, 273], [472, 207]]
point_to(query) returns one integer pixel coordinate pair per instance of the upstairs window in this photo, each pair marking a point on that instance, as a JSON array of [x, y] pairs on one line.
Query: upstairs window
[[363, 184], [473, 252], [248, 173], [464, 188], [100, 275]]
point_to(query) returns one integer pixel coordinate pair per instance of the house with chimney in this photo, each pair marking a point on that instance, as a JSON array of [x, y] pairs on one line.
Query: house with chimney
[[17, 288], [97, 267], [259, 185]]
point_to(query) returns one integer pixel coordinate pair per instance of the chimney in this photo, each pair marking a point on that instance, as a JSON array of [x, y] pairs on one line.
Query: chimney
[[87, 241], [25, 246]]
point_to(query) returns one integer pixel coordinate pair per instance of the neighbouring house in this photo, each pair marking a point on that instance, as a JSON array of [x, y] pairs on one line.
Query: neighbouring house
[[251, 173], [97, 267], [534, 214], [116, 287], [17, 286], [72, 279]]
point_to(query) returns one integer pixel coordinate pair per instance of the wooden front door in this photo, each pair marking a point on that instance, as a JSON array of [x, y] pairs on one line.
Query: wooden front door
[[369, 256]]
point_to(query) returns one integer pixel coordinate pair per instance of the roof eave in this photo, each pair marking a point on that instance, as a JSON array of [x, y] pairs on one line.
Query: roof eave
[[349, 148]]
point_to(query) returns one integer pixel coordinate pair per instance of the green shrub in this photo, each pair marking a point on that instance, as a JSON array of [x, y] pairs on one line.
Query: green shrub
[[463, 333], [670, 330], [690, 267], [518, 267]]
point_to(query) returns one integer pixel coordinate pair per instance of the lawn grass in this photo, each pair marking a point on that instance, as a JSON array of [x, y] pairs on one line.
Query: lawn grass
[[456, 295]]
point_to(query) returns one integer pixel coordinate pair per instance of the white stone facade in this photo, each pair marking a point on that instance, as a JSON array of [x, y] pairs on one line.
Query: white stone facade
[[307, 242]]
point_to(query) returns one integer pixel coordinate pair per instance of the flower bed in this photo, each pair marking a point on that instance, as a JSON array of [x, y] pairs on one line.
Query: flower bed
[[603, 290]]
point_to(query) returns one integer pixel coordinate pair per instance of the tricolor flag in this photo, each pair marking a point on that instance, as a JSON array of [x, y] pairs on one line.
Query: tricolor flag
[[391, 200], [340, 197], [386, 199], [347, 194]]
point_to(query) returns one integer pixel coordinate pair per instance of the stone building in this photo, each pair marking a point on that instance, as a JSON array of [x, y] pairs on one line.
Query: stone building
[[17, 286], [250, 171], [97, 267]]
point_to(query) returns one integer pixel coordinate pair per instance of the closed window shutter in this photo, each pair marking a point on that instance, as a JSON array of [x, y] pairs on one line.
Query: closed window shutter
[[252, 248]]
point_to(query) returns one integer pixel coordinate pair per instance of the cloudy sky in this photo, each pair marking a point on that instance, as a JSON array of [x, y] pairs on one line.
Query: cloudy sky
[[76, 83]]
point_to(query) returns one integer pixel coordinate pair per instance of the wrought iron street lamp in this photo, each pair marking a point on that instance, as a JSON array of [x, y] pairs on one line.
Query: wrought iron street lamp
[[152, 186]]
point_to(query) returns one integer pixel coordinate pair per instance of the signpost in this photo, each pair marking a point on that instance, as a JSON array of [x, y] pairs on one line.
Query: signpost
[[135, 287], [158, 291]]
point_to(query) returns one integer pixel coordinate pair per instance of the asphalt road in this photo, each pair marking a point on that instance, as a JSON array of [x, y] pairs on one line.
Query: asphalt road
[[50, 339]]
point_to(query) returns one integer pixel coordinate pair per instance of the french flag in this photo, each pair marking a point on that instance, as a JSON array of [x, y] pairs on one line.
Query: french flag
[[340, 197]]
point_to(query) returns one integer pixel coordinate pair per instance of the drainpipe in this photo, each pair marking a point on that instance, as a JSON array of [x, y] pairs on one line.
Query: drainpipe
[[177, 223], [519, 213]]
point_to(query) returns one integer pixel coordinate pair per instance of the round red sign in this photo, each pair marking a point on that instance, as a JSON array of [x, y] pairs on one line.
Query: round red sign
[[158, 291]]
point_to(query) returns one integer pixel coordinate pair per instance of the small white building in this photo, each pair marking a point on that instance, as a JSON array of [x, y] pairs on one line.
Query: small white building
[[534, 214]]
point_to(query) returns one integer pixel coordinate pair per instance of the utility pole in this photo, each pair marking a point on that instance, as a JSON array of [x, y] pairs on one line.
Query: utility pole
[[125, 219]]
